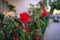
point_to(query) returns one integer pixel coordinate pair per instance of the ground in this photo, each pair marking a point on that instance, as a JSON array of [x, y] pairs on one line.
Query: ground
[[52, 31]]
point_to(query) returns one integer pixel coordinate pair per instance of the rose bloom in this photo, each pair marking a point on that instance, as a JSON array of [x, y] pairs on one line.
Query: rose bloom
[[44, 13], [16, 38], [37, 36], [24, 17], [26, 28]]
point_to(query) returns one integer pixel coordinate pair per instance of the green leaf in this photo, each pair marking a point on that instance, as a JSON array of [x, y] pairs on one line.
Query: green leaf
[[1, 36], [9, 27]]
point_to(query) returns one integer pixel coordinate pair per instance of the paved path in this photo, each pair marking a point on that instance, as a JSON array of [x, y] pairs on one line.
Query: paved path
[[52, 31]]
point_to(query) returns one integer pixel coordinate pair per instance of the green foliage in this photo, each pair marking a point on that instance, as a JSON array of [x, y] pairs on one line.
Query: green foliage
[[1, 16], [11, 7], [8, 27], [1, 20], [55, 5], [1, 36], [37, 25], [37, 21], [45, 2]]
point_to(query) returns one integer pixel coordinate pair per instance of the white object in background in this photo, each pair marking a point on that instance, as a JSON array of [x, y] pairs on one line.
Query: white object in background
[[56, 12], [47, 8], [9, 13]]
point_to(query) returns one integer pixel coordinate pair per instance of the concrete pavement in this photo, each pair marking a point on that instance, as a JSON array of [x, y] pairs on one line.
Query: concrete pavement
[[53, 31]]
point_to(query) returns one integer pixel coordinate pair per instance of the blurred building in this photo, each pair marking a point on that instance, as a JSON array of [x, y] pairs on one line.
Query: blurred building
[[3, 6], [50, 1], [21, 5]]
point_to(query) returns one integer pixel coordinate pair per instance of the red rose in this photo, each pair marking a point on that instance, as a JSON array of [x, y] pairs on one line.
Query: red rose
[[26, 28], [24, 17], [16, 38], [37, 36], [44, 13]]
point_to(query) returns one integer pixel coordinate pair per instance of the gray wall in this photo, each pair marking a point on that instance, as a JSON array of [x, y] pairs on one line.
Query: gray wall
[[3, 6], [22, 5]]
